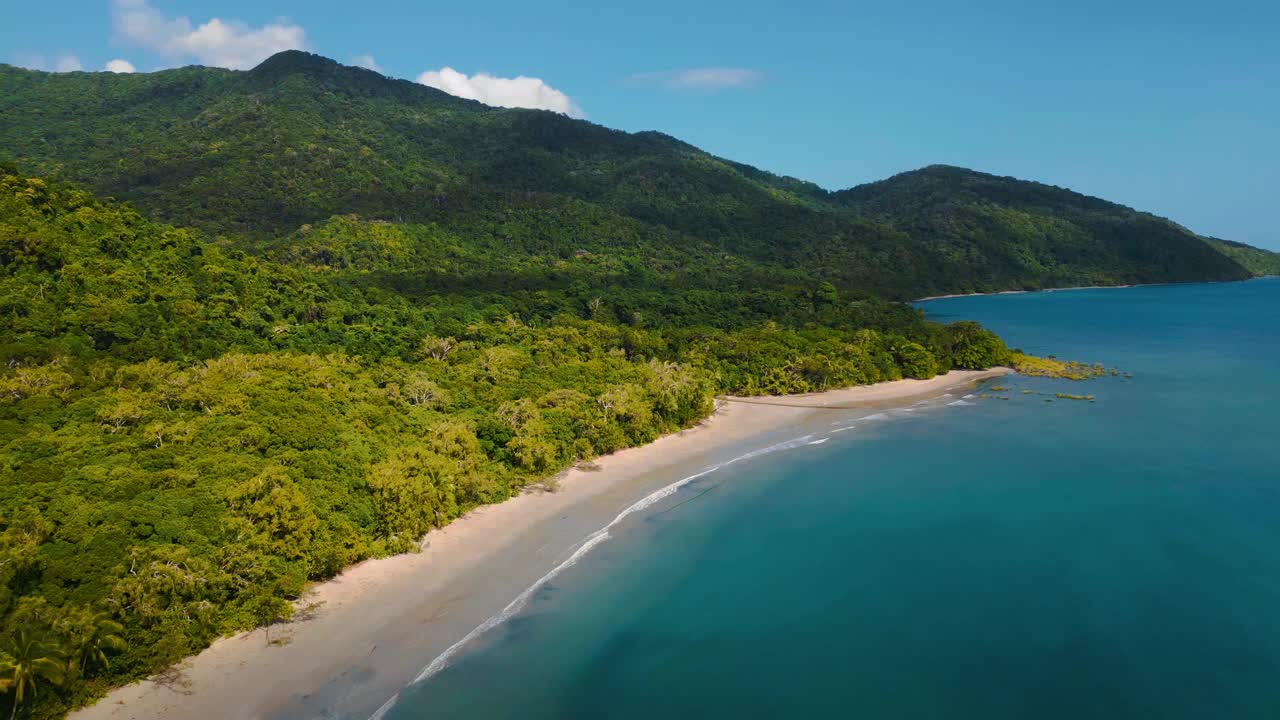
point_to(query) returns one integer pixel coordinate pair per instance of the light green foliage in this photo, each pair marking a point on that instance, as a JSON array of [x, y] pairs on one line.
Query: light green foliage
[[976, 348], [189, 435], [30, 662], [917, 362], [1059, 369], [197, 422]]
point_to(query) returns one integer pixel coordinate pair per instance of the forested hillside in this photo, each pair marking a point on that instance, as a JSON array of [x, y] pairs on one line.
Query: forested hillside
[[299, 139], [260, 325], [1042, 235], [189, 433], [1256, 260]]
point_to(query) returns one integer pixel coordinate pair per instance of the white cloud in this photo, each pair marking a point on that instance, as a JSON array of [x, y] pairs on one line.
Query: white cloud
[[517, 92], [120, 66], [367, 62], [67, 63], [702, 78], [217, 42]]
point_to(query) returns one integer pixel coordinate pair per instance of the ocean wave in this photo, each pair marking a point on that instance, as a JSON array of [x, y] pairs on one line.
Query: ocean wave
[[842, 429], [819, 441], [959, 402], [385, 708], [442, 660], [966, 397], [787, 445], [877, 416]]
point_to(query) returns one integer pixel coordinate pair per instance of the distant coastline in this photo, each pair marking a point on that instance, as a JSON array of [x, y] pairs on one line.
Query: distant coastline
[[379, 623], [1079, 287], [1056, 290]]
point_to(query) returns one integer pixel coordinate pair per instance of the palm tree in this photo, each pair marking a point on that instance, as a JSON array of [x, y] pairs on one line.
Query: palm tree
[[30, 661], [104, 636]]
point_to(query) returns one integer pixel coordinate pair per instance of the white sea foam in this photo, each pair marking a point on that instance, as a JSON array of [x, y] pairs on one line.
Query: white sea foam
[[386, 708], [966, 397], [787, 445], [515, 606]]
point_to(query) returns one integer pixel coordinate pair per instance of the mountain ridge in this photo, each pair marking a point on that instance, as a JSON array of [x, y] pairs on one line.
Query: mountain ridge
[[264, 324], [300, 138]]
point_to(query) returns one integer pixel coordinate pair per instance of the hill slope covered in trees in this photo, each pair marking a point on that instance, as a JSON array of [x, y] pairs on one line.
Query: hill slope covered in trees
[[190, 433], [376, 306], [255, 154]]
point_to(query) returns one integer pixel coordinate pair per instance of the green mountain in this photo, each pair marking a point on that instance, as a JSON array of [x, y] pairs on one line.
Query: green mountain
[[1000, 229], [255, 155], [261, 325], [1256, 260]]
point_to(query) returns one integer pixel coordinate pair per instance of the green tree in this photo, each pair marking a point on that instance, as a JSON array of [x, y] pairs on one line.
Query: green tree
[[916, 361], [975, 347], [31, 661], [104, 636]]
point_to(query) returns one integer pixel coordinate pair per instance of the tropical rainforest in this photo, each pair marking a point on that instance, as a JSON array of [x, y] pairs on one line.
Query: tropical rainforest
[[262, 325]]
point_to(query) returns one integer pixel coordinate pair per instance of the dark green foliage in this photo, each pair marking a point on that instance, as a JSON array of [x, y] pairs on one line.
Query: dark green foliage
[[255, 155], [387, 306], [190, 434], [1257, 261], [1001, 233]]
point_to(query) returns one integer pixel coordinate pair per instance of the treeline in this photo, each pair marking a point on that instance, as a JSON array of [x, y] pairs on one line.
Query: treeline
[[189, 433], [255, 155]]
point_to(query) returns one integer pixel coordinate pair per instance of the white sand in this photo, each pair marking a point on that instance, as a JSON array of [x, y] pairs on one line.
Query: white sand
[[381, 621]]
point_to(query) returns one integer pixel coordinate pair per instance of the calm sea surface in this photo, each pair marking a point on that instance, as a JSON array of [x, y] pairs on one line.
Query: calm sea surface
[[1014, 556]]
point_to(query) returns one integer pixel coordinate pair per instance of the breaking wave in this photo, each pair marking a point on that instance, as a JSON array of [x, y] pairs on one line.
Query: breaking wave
[[442, 660]]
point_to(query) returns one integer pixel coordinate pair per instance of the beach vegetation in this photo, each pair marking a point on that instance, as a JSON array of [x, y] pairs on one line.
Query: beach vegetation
[[1051, 367], [191, 434], [27, 664], [332, 312]]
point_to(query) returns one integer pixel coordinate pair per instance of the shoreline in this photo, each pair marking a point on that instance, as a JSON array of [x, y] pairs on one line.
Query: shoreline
[[1064, 290], [380, 623], [1082, 287]]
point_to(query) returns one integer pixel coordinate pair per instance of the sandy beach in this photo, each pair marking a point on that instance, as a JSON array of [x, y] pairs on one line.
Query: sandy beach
[[1046, 290], [376, 626]]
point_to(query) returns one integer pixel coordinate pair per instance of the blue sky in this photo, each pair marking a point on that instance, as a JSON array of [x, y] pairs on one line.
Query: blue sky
[[1172, 107]]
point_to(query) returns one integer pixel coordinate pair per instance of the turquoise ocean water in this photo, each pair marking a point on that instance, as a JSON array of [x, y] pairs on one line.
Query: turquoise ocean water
[[974, 558]]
